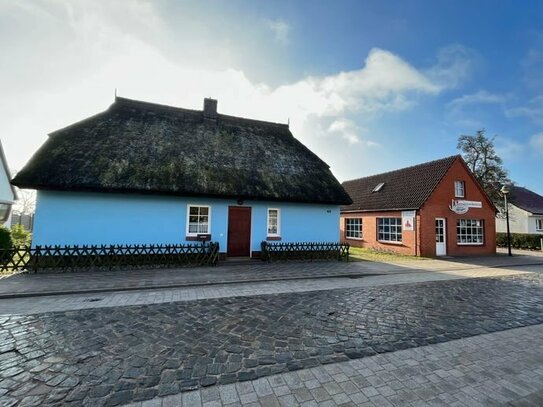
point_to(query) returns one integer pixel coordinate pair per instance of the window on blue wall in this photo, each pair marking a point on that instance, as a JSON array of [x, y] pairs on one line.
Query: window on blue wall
[[198, 220], [273, 222]]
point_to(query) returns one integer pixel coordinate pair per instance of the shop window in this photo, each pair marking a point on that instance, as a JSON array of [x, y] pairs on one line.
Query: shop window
[[389, 229], [353, 228], [470, 231]]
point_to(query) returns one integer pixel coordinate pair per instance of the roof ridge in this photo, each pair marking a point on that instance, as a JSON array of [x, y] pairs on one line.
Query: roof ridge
[[123, 100], [405, 168], [526, 189], [142, 147]]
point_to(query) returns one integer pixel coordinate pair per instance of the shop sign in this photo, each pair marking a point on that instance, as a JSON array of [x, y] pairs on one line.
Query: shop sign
[[460, 206], [408, 220]]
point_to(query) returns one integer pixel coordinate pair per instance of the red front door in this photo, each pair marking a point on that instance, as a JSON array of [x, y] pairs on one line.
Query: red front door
[[239, 231]]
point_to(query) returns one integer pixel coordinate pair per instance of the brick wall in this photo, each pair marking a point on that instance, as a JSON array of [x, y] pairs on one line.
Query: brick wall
[[437, 206], [369, 233], [421, 241]]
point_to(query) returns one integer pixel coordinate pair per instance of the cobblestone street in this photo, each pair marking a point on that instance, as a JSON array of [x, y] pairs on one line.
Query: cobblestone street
[[125, 354]]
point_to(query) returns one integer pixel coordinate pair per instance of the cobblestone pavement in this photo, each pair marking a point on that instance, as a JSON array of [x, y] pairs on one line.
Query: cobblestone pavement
[[135, 353], [41, 304], [498, 369]]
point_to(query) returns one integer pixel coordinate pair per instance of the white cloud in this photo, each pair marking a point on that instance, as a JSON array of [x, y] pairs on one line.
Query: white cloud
[[455, 64], [280, 30], [104, 47], [532, 110], [347, 128], [509, 149], [479, 97], [536, 143], [466, 109]]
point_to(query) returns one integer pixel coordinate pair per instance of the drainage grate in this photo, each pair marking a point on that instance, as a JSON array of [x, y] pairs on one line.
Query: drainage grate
[[92, 299]]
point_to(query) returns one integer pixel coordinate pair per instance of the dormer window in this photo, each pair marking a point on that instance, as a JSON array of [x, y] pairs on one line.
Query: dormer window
[[459, 189], [378, 187]]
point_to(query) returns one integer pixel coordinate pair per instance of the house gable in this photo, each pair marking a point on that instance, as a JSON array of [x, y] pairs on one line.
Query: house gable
[[458, 171]]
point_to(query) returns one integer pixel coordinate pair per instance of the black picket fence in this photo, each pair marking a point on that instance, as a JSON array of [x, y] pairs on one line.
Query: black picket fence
[[304, 251], [64, 258]]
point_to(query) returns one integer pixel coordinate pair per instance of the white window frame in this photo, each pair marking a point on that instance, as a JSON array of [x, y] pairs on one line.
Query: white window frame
[[467, 225], [398, 224], [361, 231], [539, 225], [278, 234], [459, 186], [208, 219]]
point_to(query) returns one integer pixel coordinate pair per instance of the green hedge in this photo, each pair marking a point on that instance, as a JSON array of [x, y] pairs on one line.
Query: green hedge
[[520, 241]]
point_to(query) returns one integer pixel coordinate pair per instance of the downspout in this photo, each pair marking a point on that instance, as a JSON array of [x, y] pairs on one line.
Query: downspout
[[416, 233]]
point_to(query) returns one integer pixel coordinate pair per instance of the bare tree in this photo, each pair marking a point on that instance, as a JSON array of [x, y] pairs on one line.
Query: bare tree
[[26, 201], [480, 155]]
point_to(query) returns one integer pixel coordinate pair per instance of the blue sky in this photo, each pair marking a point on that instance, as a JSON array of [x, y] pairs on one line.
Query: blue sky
[[369, 86]]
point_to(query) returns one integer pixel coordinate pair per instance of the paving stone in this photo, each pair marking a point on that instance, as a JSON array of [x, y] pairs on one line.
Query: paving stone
[[229, 394], [302, 395], [158, 353]]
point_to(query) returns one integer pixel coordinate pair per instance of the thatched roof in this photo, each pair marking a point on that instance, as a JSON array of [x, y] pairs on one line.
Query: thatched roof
[[142, 147], [403, 189]]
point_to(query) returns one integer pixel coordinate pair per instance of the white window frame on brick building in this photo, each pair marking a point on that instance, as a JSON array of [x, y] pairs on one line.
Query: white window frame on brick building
[[353, 228], [459, 189], [470, 232], [389, 230]]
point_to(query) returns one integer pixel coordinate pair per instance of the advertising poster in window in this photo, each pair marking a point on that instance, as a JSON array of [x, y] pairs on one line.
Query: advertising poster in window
[[408, 220]]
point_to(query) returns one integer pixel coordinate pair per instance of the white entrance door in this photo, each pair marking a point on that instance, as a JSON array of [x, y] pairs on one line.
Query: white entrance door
[[441, 240]]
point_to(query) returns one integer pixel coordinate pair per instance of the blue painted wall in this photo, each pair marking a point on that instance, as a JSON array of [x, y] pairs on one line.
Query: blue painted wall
[[68, 218]]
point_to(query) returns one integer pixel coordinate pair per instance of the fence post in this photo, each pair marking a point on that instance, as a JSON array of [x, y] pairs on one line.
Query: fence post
[[35, 258]]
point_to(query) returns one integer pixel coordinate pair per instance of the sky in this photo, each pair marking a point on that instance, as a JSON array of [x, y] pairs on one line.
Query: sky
[[369, 86]]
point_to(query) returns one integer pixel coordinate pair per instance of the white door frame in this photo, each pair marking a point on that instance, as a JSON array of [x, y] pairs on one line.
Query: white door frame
[[441, 247]]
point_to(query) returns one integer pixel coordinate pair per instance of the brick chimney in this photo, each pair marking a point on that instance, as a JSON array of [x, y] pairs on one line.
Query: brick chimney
[[210, 108]]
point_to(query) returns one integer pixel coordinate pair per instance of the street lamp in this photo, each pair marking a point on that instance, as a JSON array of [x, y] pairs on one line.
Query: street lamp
[[505, 192]]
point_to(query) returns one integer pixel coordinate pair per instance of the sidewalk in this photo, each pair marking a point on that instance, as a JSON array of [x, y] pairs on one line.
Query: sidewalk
[[498, 369], [86, 282]]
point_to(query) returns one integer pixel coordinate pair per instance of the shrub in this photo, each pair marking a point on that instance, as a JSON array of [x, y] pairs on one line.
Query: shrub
[[6, 241], [520, 241], [20, 236]]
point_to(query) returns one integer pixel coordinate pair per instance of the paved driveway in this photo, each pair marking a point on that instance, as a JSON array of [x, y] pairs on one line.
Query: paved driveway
[[116, 355]]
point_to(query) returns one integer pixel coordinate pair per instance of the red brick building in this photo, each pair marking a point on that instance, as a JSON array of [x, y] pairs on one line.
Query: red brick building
[[433, 209]]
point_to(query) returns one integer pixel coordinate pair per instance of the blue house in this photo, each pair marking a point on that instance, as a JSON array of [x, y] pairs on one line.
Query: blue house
[[143, 173]]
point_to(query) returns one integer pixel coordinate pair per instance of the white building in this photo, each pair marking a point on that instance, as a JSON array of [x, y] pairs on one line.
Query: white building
[[525, 212], [7, 191]]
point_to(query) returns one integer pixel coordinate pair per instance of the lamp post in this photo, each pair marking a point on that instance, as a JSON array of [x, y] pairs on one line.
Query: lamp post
[[505, 192]]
